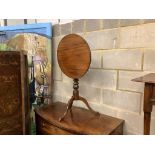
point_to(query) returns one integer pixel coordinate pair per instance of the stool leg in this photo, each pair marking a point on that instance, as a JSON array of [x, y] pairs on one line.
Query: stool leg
[[147, 121]]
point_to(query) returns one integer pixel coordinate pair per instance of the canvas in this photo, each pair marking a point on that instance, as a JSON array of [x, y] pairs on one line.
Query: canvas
[[35, 41]]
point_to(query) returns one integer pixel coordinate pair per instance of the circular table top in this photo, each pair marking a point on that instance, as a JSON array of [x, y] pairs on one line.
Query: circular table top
[[74, 56]]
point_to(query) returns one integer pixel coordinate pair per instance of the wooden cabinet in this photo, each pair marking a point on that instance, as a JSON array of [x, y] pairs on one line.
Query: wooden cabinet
[[81, 121], [14, 103]]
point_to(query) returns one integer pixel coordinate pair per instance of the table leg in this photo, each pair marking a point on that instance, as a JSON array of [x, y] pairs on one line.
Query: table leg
[[148, 91], [147, 120]]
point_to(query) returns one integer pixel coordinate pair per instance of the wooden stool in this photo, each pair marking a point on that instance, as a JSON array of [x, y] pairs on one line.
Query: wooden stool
[[149, 99]]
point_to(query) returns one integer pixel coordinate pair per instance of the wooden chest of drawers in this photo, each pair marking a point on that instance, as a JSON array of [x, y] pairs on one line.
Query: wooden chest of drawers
[[81, 122]]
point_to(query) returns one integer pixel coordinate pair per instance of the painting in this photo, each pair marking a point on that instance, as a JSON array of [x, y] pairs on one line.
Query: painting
[[35, 41]]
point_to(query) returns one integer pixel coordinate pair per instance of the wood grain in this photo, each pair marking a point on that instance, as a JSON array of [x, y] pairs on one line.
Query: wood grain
[[81, 121], [74, 56], [14, 101]]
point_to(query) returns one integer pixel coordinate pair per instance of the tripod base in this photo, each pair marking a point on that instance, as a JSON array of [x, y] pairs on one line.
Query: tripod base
[[76, 97], [69, 107]]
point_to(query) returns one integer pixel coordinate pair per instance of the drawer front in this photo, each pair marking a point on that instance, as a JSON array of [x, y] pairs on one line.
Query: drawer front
[[45, 128]]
